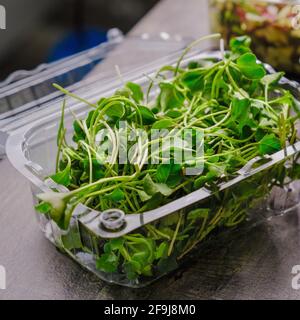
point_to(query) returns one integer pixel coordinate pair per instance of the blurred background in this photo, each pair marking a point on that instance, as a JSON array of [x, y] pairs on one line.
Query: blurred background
[[46, 30]]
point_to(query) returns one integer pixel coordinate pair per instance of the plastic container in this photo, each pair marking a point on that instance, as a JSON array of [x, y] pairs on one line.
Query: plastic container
[[32, 150], [273, 25], [28, 95]]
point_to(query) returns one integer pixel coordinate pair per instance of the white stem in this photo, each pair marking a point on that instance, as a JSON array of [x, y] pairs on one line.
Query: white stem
[[222, 50]]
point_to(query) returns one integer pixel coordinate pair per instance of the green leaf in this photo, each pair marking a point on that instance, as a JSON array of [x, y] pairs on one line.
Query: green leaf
[[147, 271], [174, 180], [240, 44], [175, 175], [286, 98], [68, 213], [169, 174], [193, 80], [193, 65], [116, 244], [136, 91], [295, 105], [259, 134], [133, 269], [173, 114], [272, 78], [163, 172], [116, 196], [43, 207], [107, 262], [79, 134], [141, 257], [167, 265], [294, 171], [200, 182], [147, 115], [198, 214], [63, 177], [152, 188], [144, 196], [257, 108], [163, 124], [89, 118], [265, 122], [169, 97], [155, 201], [61, 127], [269, 144], [170, 220], [249, 67], [161, 251], [145, 248], [71, 240], [240, 111], [98, 171], [124, 92], [117, 110]]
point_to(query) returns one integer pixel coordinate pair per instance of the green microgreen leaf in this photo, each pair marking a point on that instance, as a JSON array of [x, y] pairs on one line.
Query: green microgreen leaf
[[193, 80], [79, 134], [63, 177], [43, 207], [249, 67], [117, 110], [241, 113], [161, 251], [170, 97], [198, 214], [240, 44], [116, 196], [163, 172], [269, 144], [107, 262], [135, 91], [272, 78], [147, 115], [163, 124], [152, 188]]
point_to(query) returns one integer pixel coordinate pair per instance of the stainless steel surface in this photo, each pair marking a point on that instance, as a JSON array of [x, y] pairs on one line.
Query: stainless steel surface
[[253, 264]]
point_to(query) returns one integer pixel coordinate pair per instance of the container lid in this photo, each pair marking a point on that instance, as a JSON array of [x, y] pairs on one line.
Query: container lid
[[26, 96], [25, 92]]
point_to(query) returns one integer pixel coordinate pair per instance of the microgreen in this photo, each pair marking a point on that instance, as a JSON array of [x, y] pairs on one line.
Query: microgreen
[[269, 144], [243, 112], [249, 67]]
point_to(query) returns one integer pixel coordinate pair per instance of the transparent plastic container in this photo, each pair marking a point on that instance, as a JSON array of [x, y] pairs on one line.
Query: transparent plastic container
[[32, 150], [273, 25], [27, 95]]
